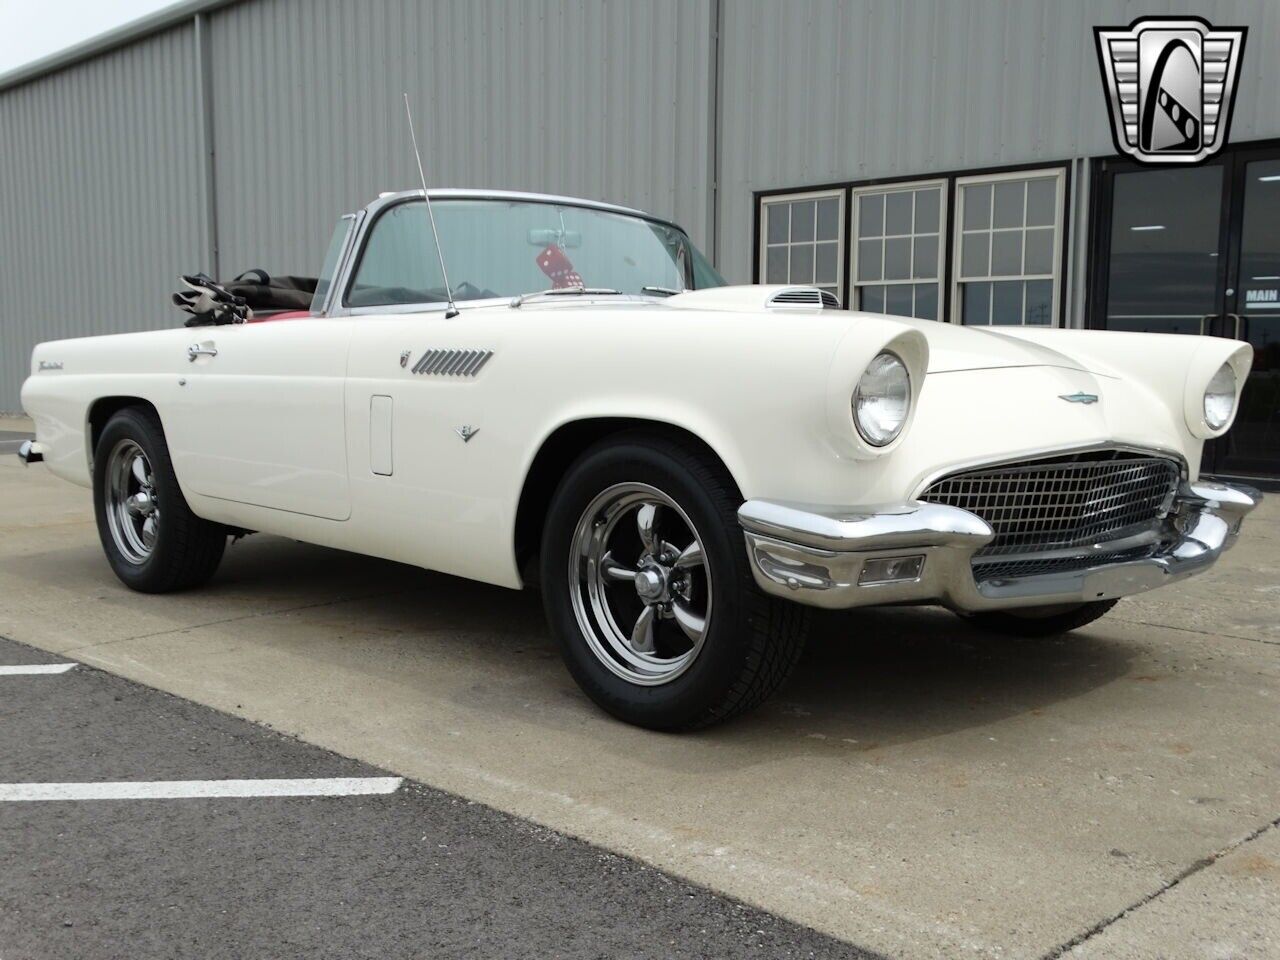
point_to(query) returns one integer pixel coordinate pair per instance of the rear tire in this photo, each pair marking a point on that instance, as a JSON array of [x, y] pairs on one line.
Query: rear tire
[[1040, 622], [642, 506], [153, 541]]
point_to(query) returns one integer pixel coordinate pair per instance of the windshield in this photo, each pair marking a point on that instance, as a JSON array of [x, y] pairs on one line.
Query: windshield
[[504, 248]]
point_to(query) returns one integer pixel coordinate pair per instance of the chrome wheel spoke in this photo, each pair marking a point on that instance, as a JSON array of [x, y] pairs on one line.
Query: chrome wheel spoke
[[692, 623], [646, 516], [132, 514], [642, 634], [619, 595], [140, 471], [612, 570], [691, 556]]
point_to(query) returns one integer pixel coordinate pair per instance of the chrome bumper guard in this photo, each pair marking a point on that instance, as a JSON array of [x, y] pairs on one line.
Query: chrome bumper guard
[[820, 555]]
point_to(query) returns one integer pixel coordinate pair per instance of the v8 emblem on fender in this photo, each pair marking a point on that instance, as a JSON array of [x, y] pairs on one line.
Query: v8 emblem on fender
[[1085, 398], [467, 432]]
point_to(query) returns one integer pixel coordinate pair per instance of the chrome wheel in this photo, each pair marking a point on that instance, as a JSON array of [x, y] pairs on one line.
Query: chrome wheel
[[639, 584], [133, 512]]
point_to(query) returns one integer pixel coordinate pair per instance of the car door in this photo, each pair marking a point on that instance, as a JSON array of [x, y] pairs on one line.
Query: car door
[[260, 417], [425, 467]]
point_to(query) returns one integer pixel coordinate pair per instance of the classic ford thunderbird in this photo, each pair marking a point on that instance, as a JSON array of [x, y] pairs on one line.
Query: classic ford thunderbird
[[684, 467]]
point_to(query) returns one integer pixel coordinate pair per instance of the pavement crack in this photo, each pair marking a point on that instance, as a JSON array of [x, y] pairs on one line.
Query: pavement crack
[[1160, 891], [246, 616], [1203, 633]]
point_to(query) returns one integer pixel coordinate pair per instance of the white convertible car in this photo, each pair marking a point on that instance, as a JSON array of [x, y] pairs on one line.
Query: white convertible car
[[685, 467]]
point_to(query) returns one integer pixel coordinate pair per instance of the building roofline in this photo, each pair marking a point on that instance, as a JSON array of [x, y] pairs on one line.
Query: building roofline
[[153, 23]]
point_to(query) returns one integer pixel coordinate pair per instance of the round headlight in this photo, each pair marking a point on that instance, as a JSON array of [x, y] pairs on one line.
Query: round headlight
[[1220, 398], [882, 400]]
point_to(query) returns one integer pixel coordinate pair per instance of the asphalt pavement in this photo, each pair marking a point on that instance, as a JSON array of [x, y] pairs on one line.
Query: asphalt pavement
[[412, 873]]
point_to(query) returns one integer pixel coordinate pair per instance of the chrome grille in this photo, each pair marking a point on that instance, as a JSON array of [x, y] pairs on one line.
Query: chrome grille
[[995, 568], [1060, 503]]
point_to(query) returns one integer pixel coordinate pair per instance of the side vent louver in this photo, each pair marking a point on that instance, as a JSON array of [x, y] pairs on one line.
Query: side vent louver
[[452, 363], [804, 297]]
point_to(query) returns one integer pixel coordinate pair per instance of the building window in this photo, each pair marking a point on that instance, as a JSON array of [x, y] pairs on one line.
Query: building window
[[802, 240], [897, 251], [1008, 248]]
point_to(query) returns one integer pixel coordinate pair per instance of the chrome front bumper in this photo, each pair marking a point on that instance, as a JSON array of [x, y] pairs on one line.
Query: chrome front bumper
[[819, 555]]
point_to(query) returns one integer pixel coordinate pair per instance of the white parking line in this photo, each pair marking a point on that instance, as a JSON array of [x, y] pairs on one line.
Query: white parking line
[[26, 669], [192, 789]]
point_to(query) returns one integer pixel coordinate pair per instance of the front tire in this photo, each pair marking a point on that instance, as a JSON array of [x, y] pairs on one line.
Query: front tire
[[152, 540], [1040, 622], [648, 591]]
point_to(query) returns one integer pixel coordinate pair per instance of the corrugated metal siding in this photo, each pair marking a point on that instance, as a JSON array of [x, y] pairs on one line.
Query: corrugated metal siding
[[101, 174], [601, 100], [99, 188], [817, 91]]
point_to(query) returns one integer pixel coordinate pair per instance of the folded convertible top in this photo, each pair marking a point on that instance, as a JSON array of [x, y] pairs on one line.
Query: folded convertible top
[[253, 293]]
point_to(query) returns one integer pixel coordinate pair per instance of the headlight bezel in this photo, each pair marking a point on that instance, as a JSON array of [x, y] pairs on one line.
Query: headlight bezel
[[1227, 392], [903, 390]]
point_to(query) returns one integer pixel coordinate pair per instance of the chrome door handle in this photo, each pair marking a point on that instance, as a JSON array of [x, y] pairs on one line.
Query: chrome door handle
[[195, 350], [1204, 322], [1237, 322]]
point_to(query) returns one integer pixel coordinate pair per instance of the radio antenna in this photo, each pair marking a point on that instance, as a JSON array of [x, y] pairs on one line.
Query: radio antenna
[[453, 307]]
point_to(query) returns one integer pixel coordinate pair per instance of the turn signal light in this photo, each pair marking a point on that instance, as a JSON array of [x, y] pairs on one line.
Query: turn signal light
[[891, 570]]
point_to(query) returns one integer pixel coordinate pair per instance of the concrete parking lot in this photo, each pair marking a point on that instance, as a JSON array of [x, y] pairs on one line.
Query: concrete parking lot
[[918, 790]]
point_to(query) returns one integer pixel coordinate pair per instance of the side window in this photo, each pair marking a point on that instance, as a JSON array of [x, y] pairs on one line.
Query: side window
[[398, 263]]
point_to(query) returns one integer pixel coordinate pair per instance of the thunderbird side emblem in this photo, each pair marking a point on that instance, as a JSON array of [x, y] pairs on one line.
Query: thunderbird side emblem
[[467, 432], [404, 358], [1085, 398], [1170, 84]]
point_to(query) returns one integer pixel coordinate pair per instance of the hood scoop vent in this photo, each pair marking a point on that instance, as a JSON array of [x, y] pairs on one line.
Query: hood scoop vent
[[804, 297], [756, 297]]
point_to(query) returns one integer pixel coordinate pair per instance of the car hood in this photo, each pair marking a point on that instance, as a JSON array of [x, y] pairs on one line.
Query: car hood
[[951, 347], [954, 348]]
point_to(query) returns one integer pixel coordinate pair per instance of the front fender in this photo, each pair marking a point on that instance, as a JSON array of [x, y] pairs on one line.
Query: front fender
[[1174, 368]]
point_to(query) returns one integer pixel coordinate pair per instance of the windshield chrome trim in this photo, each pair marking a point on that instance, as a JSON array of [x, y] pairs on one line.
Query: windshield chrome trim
[[339, 270], [468, 193]]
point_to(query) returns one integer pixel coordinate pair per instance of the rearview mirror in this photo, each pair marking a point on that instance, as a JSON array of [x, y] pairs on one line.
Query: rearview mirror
[[561, 238]]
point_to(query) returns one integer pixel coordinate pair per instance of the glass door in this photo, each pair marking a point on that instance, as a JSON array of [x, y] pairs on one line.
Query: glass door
[[1196, 250], [1165, 266], [1252, 313]]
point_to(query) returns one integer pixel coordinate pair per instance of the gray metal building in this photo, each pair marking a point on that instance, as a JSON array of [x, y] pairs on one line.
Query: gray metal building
[[804, 140]]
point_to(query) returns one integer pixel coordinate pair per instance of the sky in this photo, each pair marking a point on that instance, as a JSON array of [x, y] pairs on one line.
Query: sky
[[33, 29]]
